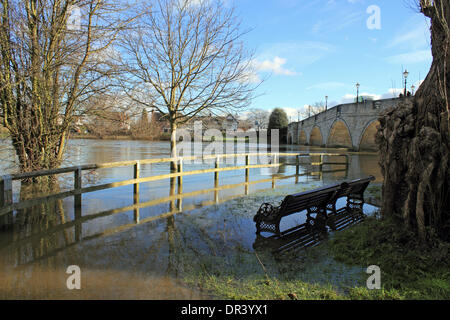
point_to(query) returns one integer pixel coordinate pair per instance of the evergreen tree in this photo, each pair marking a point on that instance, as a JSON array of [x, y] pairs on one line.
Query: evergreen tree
[[278, 119]]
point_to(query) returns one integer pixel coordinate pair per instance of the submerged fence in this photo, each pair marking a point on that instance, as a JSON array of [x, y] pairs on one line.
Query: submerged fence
[[7, 204], [175, 198]]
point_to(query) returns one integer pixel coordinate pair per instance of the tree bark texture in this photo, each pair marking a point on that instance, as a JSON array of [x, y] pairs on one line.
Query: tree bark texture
[[414, 141]]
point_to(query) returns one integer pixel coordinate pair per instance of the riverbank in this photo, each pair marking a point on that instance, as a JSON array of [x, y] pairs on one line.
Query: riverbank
[[119, 137], [336, 269], [409, 268], [163, 137]]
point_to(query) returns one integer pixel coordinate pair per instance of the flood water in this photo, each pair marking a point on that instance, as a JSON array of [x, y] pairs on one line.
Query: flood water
[[173, 241]]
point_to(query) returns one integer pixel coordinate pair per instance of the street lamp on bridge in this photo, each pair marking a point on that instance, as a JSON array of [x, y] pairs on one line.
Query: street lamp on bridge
[[326, 103], [357, 92], [405, 75]]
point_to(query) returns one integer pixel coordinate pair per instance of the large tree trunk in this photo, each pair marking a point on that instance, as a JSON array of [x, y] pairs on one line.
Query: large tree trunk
[[414, 141]]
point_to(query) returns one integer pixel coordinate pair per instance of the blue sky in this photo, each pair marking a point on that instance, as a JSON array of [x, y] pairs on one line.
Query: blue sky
[[306, 49]]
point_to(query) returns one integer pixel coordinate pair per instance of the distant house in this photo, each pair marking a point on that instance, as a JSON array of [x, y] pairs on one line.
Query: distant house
[[77, 120], [221, 123], [246, 125], [108, 122], [158, 117], [230, 123]]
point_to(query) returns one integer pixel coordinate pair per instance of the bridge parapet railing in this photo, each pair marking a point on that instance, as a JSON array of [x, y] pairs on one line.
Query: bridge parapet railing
[[7, 204]]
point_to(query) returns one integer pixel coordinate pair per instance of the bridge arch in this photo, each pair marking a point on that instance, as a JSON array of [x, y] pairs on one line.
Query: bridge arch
[[289, 138], [302, 138], [367, 140], [339, 135], [316, 138]]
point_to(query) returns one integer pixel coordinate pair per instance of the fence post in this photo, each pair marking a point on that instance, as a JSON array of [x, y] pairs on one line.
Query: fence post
[[180, 177], [136, 175], [247, 170], [321, 163], [216, 180], [5, 191], [247, 173], [216, 174], [77, 186], [180, 185], [275, 161], [77, 203], [297, 168], [6, 200]]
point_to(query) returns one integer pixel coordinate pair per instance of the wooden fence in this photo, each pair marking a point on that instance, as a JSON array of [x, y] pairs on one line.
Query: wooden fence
[[7, 204]]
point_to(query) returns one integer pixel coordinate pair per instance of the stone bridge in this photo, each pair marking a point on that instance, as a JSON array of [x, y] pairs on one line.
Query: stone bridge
[[351, 125]]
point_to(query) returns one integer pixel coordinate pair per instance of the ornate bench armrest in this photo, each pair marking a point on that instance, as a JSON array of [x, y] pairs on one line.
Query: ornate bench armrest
[[266, 212]]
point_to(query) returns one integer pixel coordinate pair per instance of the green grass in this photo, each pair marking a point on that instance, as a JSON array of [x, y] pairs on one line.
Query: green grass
[[409, 269], [333, 270], [231, 288], [374, 191]]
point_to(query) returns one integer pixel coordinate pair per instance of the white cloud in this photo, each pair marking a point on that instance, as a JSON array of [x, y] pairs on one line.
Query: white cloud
[[391, 93], [348, 98], [275, 66], [250, 77], [292, 113], [299, 54]]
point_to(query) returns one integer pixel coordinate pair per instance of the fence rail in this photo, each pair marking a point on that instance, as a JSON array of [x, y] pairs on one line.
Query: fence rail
[[6, 191]]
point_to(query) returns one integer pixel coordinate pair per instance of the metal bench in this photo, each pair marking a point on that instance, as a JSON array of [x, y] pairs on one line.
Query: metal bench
[[318, 203], [354, 191]]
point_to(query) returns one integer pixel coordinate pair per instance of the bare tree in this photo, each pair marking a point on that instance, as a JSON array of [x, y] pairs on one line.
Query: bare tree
[[311, 110], [259, 118], [187, 57], [55, 54]]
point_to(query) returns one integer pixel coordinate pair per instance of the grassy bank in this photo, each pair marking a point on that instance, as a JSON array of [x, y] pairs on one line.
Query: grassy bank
[[336, 269], [409, 269]]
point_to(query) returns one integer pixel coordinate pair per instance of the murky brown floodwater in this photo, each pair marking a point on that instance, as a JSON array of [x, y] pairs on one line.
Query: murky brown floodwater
[[152, 259]]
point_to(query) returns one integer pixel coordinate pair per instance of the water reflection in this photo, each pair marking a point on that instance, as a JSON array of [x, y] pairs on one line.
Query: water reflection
[[141, 247], [300, 237]]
